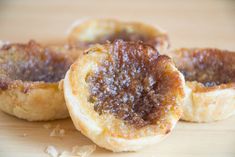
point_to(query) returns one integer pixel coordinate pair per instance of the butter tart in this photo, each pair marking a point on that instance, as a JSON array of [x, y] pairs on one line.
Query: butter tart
[[210, 83], [124, 95], [86, 33], [29, 79]]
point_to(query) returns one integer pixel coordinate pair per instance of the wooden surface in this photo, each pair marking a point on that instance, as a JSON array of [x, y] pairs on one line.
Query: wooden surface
[[189, 23]]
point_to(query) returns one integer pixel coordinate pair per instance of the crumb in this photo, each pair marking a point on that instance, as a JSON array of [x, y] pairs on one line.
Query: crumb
[[47, 126], [79, 151], [83, 151], [57, 132], [66, 154], [52, 151]]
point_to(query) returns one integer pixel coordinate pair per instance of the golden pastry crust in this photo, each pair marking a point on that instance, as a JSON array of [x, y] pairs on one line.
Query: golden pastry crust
[[29, 79], [210, 83], [99, 31], [107, 129]]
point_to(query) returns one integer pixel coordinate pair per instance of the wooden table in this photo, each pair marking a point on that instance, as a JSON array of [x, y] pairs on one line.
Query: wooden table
[[189, 23]]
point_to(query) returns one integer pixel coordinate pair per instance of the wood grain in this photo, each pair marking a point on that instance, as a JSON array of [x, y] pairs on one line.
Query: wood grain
[[189, 23]]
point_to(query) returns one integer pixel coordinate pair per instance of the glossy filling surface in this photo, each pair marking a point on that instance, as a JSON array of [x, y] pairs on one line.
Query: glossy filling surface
[[32, 62], [135, 84], [210, 67]]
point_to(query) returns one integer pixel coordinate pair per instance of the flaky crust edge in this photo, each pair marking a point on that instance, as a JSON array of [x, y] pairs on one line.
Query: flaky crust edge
[[87, 124], [33, 101], [79, 26], [208, 104]]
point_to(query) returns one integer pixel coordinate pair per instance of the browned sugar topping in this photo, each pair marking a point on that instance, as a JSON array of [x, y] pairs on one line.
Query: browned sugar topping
[[134, 84], [208, 66], [31, 62]]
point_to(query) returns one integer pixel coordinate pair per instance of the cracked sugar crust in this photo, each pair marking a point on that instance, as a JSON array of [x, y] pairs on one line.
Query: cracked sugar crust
[[135, 84], [31, 62], [210, 67]]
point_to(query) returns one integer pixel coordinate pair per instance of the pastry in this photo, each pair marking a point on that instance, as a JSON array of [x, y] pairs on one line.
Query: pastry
[[124, 95], [210, 83], [84, 34], [29, 79]]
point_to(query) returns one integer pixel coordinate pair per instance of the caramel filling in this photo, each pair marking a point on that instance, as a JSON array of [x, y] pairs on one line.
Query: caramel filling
[[134, 84], [31, 62], [210, 67]]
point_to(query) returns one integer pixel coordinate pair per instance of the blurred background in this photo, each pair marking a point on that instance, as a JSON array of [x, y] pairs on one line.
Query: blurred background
[[190, 23]]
